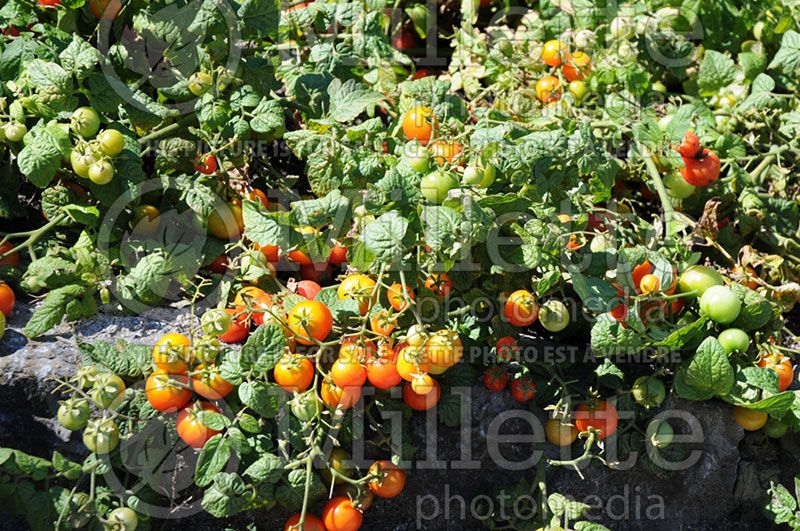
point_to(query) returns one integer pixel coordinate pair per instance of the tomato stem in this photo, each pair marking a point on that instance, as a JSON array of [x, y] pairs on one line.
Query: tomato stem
[[666, 202]]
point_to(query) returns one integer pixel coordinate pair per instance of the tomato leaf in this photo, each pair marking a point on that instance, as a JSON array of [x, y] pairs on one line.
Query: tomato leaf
[[386, 237], [710, 370], [212, 459], [262, 398], [264, 347], [268, 467]]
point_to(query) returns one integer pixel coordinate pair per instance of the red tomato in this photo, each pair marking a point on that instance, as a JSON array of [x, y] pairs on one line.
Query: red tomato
[[10, 260], [440, 284], [340, 515], [191, 429], [100, 9], [600, 415], [506, 348], [577, 66], [392, 479], [270, 252], [382, 372], [299, 257], [404, 40], [421, 402], [521, 308], [209, 383], [523, 389], [167, 392], [49, 3], [240, 327], [620, 311], [639, 272], [7, 299], [206, 164], [420, 73], [310, 523], [338, 255], [261, 306], [495, 378], [308, 289], [690, 146], [219, 265], [701, 171]]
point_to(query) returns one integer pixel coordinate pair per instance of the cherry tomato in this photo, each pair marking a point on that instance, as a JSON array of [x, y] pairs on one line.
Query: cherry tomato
[[299, 257], [747, 274], [7, 299], [271, 252], [167, 392], [308, 289], [309, 321], [338, 255], [720, 304], [412, 361], [782, 366], [391, 481], [74, 413], [101, 436], [523, 389], [171, 353], [677, 186], [382, 372], [559, 433], [209, 383], [639, 272], [294, 373], [554, 316], [578, 90], [10, 260], [81, 160], [419, 123], [200, 83], [554, 52], [348, 372], [445, 151], [359, 288], [734, 339], [444, 348], [336, 397], [111, 142], [690, 146], [650, 284], [248, 295], [699, 278], [219, 265], [775, 429], [417, 157], [439, 283], [600, 415], [422, 384], [226, 222], [122, 519], [310, 523], [397, 296], [703, 170], [548, 89], [240, 326], [305, 406], [49, 3], [749, 419], [206, 164], [382, 323], [648, 391], [101, 10], [101, 172], [191, 429], [495, 378], [521, 308], [404, 40], [108, 390], [145, 220], [436, 185], [506, 348], [85, 122], [577, 66], [340, 515], [215, 322], [421, 402], [15, 131]]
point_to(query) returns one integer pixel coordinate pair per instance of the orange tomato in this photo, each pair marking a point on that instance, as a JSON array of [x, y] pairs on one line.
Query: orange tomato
[[397, 297], [553, 53], [782, 366], [10, 260], [548, 89], [310, 321], [419, 124], [577, 66], [209, 383], [294, 373], [521, 308], [391, 480], [340, 515], [171, 353]]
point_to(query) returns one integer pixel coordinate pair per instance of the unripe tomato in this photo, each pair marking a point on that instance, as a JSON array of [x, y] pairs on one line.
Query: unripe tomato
[[648, 391], [578, 90], [417, 157], [340, 515], [101, 172], [167, 392], [554, 316], [699, 278], [391, 481], [305, 406], [659, 433], [421, 402], [191, 429], [85, 122], [309, 321], [677, 186], [74, 413], [123, 519], [206, 349], [720, 304], [7, 299], [436, 185], [548, 89], [111, 142], [734, 339], [600, 415], [171, 353], [577, 66], [554, 52], [200, 83], [690, 146], [422, 384], [226, 222], [81, 160], [146, 219], [101, 436], [215, 322], [521, 308], [419, 124], [559, 433], [14, 131], [703, 170], [749, 419], [10, 260], [108, 390], [523, 389], [209, 383], [775, 429]]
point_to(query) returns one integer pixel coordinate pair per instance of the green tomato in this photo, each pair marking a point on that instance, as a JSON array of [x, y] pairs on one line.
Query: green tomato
[[81, 160], [200, 83], [677, 186], [145, 220], [658, 86], [554, 316], [699, 278], [306, 406], [775, 428], [111, 142], [417, 157], [122, 519], [74, 413], [108, 390], [15, 131], [472, 175], [602, 242], [435, 186], [101, 436], [86, 376], [621, 27], [720, 304], [489, 175], [215, 322], [101, 172], [206, 349], [578, 90], [659, 433], [85, 122], [81, 510], [734, 339], [648, 391]]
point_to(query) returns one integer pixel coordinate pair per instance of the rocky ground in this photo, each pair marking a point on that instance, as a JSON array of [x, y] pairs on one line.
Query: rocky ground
[[724, 489]]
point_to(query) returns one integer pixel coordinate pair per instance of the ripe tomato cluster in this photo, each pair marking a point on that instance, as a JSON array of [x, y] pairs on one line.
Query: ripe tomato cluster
[[701, 165], [575, 67]]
